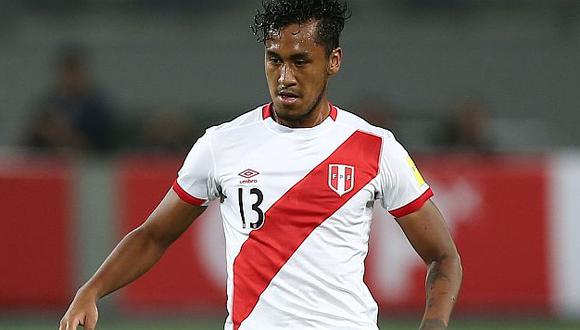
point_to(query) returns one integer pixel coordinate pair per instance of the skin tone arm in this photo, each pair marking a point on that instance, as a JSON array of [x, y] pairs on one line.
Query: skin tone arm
[[429, 236], [137, 252]]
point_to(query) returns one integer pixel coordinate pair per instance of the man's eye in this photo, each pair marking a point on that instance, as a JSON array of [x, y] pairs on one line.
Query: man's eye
[[274, 60], [300, 62]]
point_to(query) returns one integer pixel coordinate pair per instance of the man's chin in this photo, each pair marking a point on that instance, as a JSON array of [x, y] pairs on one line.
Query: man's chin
[[288, 112]]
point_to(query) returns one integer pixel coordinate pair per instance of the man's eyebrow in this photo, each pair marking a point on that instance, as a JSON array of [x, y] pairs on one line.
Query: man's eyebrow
[[300, 56], [296, 56], [272, 53]]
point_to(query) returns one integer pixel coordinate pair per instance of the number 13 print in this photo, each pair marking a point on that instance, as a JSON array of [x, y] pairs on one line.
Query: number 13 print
[[255, 207]]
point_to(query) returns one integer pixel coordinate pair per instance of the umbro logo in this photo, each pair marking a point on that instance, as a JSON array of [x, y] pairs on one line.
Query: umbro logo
[[249, 173]]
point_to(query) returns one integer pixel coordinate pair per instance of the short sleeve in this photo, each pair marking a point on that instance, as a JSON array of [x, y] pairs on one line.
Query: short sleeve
[[403, 189], [195, 183]]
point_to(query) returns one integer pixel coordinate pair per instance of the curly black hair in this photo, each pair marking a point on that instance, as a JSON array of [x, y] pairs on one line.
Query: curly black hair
[[330, 14]]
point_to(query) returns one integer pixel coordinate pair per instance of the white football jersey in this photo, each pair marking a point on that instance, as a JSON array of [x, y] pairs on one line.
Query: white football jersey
[[296, 206]]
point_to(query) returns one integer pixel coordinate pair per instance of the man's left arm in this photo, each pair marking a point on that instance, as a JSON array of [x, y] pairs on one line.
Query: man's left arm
[[428, 234]]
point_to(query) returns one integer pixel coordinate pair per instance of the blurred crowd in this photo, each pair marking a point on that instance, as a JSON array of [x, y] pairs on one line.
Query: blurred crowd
[[77, 116]]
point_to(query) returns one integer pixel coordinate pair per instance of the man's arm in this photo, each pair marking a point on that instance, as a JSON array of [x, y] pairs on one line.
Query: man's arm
[[137, 252], [429, 236]]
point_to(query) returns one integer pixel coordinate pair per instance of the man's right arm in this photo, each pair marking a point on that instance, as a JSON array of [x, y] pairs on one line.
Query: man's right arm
[[137, 252]]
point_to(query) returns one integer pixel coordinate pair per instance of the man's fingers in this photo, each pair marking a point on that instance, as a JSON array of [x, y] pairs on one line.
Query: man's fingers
[[74, 324], [64, 322], [68, 324], [82, 313], [90, 323]]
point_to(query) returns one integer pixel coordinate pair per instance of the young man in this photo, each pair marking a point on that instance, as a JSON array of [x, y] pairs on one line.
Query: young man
[[296, 179]]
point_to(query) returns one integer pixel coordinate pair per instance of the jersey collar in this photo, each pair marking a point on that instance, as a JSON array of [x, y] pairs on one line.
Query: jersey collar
[[307, 132], [267, 111]]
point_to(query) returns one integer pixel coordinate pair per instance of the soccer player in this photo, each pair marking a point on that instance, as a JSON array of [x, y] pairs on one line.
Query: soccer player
[[296, 180]]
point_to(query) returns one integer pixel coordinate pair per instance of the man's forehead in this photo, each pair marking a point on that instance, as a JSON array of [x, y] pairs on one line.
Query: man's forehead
[[295, 31], [298, 36]]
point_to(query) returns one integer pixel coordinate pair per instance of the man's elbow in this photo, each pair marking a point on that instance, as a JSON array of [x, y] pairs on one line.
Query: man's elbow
[[147, 237], [452, 262], [450, 259]]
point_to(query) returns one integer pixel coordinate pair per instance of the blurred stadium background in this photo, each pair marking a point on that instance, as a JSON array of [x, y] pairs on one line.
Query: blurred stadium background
[[100, 101]]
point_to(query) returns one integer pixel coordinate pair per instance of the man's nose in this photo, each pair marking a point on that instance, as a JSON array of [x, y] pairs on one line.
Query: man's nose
[[287, 77]]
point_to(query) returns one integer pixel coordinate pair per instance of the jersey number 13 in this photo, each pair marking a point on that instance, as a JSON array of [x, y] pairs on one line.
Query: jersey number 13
[[255, 207]]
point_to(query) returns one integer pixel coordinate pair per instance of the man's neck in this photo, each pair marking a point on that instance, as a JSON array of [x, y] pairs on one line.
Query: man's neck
[[316, 116]]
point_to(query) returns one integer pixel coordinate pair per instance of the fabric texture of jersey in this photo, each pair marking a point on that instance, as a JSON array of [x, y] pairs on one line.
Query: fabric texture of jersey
[[296, 206]]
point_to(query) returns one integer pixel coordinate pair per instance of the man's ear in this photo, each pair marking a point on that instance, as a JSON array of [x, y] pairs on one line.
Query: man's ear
[[334, 61]]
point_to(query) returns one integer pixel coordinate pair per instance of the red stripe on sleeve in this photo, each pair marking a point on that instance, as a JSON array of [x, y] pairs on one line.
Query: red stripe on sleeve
[[293, 217], [185, 196], [412, 206]]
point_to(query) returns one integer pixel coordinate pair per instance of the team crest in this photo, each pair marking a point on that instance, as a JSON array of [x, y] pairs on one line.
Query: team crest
[[340, 178]]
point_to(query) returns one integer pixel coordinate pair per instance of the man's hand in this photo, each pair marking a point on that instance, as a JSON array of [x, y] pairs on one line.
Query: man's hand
[[82, 311]]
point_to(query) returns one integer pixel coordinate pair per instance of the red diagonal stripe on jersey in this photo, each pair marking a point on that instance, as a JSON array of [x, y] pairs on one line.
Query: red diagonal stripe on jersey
[[291, 219]]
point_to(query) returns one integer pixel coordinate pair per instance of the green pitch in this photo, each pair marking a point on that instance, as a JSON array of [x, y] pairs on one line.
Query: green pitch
[[218, 324]]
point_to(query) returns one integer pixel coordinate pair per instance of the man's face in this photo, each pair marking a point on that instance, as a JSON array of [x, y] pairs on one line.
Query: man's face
[[297, 70]]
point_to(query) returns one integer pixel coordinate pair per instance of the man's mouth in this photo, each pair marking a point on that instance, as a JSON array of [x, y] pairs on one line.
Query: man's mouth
[[288, 97]]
